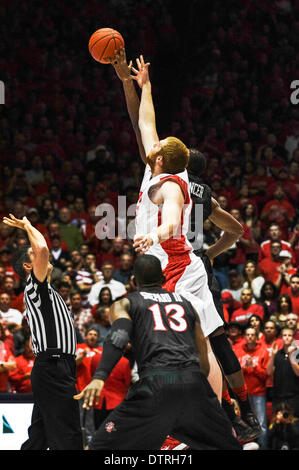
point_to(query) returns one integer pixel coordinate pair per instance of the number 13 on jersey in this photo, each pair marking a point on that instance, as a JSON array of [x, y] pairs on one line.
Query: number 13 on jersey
[[175, 314]]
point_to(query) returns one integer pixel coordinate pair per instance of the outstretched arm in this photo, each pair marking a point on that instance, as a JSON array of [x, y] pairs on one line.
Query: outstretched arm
[[38, 244], [147, 118], [233, 230], [170, 197], [123, 71]]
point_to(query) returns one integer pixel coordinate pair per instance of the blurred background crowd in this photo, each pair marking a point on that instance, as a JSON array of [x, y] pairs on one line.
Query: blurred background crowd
[[221, 75]]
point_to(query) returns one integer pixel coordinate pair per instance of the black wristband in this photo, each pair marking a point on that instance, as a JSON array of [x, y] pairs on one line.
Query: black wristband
[[100, 375]]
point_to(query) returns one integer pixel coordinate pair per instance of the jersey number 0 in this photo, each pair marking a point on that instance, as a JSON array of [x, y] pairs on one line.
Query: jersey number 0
[[174, 312]]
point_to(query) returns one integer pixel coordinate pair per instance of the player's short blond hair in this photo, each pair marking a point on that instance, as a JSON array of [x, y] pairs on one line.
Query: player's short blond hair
[[175, 155]]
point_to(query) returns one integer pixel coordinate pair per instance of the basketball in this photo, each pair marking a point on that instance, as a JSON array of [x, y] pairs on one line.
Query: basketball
[[103, 43]]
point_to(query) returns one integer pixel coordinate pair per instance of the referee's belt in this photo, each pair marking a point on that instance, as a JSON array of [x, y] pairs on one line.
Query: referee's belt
[[53, 353]]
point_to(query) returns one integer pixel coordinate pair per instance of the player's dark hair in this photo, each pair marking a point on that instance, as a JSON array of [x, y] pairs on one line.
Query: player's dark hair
[[197, 162], [21, 257], [148, 271]]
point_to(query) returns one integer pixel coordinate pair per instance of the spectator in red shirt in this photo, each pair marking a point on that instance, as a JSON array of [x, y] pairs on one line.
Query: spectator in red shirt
[[269, 267], [270, 340], [279, 210], [294, 241], [113, 255], [242, 314], [275, 235], [7, 361], [33, 216], [17, 301], [234, 332], [6, 255], [20, 377], [115, 388], [243, 244], [286, 270], [253, 358], [293, 292], [85, 351], [79, 212]]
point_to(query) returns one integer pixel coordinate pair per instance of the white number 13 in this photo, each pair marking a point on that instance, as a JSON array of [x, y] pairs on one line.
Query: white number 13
[[179, 323]]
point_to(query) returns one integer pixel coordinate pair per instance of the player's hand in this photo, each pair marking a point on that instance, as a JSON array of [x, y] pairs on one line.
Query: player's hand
[[142, 243], [122, 69], [18, 223], [141, 75], [91, 393]]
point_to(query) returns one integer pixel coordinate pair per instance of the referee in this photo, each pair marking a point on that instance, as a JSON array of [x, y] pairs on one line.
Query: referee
[[55, 423]]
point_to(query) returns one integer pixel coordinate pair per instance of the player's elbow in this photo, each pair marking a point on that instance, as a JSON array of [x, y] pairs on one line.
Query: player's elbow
[[239, 230]]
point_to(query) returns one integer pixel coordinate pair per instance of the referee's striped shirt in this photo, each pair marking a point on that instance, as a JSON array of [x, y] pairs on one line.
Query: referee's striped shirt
[[49, 318]]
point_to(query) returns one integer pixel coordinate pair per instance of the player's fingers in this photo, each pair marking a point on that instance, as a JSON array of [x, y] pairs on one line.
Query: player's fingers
[[97, 396], [138, 63], [135, 70], [91, 398], [78, 396], [130, 65]]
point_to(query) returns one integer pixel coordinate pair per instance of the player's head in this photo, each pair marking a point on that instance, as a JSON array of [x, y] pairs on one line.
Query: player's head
[[171, 154], [148, 271], [23, 262], [197, 162]]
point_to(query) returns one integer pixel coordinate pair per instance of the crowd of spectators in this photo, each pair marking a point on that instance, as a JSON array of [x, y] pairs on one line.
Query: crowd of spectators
[[221, 82]]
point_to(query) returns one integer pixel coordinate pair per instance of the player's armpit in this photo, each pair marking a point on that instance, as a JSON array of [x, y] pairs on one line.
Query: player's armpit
[[119, 309]]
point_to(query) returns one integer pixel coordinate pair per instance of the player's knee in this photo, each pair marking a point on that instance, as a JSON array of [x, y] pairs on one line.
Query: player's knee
[[225, 355]]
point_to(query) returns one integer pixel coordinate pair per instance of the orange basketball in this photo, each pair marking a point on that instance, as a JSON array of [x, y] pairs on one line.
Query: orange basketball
[[103, 44]]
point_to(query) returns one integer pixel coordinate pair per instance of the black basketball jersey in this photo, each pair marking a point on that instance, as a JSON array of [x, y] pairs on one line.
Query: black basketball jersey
[[163, 330], [201, 195]]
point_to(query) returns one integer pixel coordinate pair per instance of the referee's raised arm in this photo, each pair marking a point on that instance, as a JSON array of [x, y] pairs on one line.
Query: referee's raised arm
[[39, 252], [55, 422]]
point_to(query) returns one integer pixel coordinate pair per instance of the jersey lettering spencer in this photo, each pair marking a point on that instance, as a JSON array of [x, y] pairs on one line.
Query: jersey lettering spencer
[[163, 329], [201, 195], [148, 215]]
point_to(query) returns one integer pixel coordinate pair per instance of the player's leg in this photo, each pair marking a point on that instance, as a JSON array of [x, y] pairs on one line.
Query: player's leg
[[227, 358], [204, 425], [193, 285], [141, 422], [215, 377]]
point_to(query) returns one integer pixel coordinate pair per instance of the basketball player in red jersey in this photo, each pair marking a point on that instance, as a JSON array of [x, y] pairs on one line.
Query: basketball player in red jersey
[[169, 254]]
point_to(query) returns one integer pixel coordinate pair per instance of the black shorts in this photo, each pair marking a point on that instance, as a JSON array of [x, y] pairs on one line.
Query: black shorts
[[177, 403], [212, 283]]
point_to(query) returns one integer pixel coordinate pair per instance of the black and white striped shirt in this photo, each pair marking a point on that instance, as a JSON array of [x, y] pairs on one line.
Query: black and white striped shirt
[[49, 318]]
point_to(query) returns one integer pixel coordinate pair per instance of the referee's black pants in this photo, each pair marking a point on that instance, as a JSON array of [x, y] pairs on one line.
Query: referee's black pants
[[55, 422]]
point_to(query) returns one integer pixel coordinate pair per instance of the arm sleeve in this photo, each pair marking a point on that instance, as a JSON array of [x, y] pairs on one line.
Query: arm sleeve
[[113, 348]]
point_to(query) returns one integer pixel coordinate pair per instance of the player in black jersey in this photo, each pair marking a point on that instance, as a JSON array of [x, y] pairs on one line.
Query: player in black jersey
[[201, 195], [172, 396]]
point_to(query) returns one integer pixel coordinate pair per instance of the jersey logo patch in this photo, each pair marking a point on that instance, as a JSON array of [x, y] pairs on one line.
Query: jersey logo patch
[[110, 427]]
